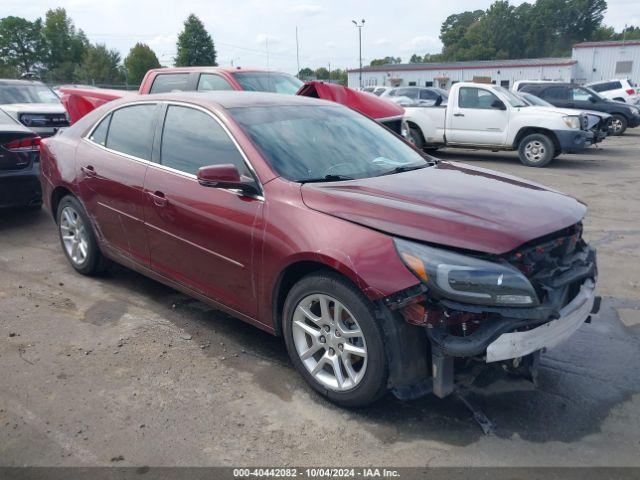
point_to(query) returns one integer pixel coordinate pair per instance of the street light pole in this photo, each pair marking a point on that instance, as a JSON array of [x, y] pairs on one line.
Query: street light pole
[[359, 26]]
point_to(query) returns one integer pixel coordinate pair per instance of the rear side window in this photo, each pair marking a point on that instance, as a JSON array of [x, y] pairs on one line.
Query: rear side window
[[168, 82], [99, 134], [192, 139], [131, 130], [210, 81]]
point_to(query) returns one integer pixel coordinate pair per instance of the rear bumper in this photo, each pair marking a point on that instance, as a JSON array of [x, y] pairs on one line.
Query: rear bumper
[[574, 140], [19, 188]]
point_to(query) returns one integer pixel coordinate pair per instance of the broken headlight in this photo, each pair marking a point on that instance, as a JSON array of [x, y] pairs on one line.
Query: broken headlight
[[467, 279], [571, 121]]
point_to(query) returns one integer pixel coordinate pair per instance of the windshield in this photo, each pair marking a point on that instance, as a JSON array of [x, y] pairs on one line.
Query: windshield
[[268, 82], [16, 93], [533, 100], [513, 100], [316, 143]]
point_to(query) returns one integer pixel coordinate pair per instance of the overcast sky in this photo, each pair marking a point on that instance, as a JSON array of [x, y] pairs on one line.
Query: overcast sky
[[243, 29]]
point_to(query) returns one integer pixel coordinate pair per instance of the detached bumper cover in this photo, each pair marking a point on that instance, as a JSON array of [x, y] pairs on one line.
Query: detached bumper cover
[[572, 316], [574, 140]]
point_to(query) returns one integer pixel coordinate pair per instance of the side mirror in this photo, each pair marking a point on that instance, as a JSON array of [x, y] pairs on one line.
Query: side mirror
[[438, 101], [593, 99], [498, 105], [225, 176]]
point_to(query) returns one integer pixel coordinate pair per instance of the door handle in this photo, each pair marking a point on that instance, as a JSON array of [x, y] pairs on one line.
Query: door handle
[[458, 114], [158, 198], [89, 171]]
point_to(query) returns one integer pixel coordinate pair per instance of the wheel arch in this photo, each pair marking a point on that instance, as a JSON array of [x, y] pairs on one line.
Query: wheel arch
[[57, 195], [292, 273], [524, 131]]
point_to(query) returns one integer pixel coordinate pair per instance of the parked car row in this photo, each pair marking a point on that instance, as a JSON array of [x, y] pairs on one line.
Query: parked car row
[[476, 115], [567, 95]]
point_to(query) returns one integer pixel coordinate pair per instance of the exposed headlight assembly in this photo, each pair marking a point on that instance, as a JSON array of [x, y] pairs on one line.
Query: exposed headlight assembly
[[467, 279], [571, 121]]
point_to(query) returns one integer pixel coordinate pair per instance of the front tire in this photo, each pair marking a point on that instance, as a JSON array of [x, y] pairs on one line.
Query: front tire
[[536, 150], [619, 124], [334, 340], [415, 137], [77, 238]]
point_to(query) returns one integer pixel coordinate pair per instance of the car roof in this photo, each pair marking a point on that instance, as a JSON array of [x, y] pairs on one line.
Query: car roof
[[13, 81], [231, 99], [214, 69]]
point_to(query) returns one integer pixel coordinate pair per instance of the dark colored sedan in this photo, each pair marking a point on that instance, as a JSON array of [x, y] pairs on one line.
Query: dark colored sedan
[[381, 268], [19, 168]]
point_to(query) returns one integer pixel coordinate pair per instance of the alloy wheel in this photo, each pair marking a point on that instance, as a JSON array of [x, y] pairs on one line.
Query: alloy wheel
[[329, 342], [74, 235], [535, 151], [617, 125]]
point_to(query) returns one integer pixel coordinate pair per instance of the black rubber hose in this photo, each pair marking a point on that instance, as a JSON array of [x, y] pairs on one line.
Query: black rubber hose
[[477, 342]]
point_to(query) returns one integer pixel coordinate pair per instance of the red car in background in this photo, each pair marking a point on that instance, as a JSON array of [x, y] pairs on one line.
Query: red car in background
[[80, 101], [381, 267]]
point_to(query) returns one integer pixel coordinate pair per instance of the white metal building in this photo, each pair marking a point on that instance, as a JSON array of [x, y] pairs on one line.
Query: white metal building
[[590, 61], [606, 61], [443, 75]]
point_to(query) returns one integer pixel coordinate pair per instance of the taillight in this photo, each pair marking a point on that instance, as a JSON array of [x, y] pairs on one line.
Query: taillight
[[23, 144], [631, 91]]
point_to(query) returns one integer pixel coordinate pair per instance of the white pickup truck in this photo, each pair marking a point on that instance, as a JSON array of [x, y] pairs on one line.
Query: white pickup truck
[[491, 117]]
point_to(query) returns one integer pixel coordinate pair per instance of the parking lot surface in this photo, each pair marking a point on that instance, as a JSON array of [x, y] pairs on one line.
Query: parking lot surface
[[121, 370]]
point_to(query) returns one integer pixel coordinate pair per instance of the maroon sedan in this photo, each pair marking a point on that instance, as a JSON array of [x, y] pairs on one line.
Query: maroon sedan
[[381, 268]]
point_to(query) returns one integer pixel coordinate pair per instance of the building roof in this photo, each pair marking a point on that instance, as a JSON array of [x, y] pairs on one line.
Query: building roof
[[609, 43], [521, 62]]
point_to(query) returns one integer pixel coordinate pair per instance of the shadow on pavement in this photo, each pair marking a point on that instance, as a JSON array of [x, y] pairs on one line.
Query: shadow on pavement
[[580, 382]]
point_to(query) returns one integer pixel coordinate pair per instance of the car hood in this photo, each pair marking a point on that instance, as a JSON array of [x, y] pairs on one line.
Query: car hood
[[33, 108], [570, 111], [449, 204]]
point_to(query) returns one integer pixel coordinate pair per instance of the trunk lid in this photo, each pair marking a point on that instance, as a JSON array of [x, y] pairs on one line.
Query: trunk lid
[[365, 103]]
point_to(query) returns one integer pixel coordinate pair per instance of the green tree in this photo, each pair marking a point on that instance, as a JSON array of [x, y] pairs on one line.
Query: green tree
[[66, 47], [385, 61], [305, 73], [322, 73], [21, 45], [542, 29], [140, 60], [415, 58], [195, 46], [100, 65]]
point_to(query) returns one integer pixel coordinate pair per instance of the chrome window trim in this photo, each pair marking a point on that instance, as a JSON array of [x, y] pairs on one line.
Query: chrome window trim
[[191, 176], [225, 129]]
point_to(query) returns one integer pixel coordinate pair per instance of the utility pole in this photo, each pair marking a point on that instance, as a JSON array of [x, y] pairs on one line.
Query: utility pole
[[359, 26], [297, 53]]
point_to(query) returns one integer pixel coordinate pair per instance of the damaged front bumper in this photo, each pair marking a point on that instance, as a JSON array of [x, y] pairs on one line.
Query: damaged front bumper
[[519, 344], [463, 335]]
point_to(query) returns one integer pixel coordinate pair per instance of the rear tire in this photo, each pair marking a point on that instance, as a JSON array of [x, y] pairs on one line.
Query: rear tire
[[619, 124], [77, 238], [536, 150], [329, 324]]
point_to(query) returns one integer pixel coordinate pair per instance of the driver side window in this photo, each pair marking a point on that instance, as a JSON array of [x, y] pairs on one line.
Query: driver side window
[[580, 95], [192, 139], [476, 98]]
